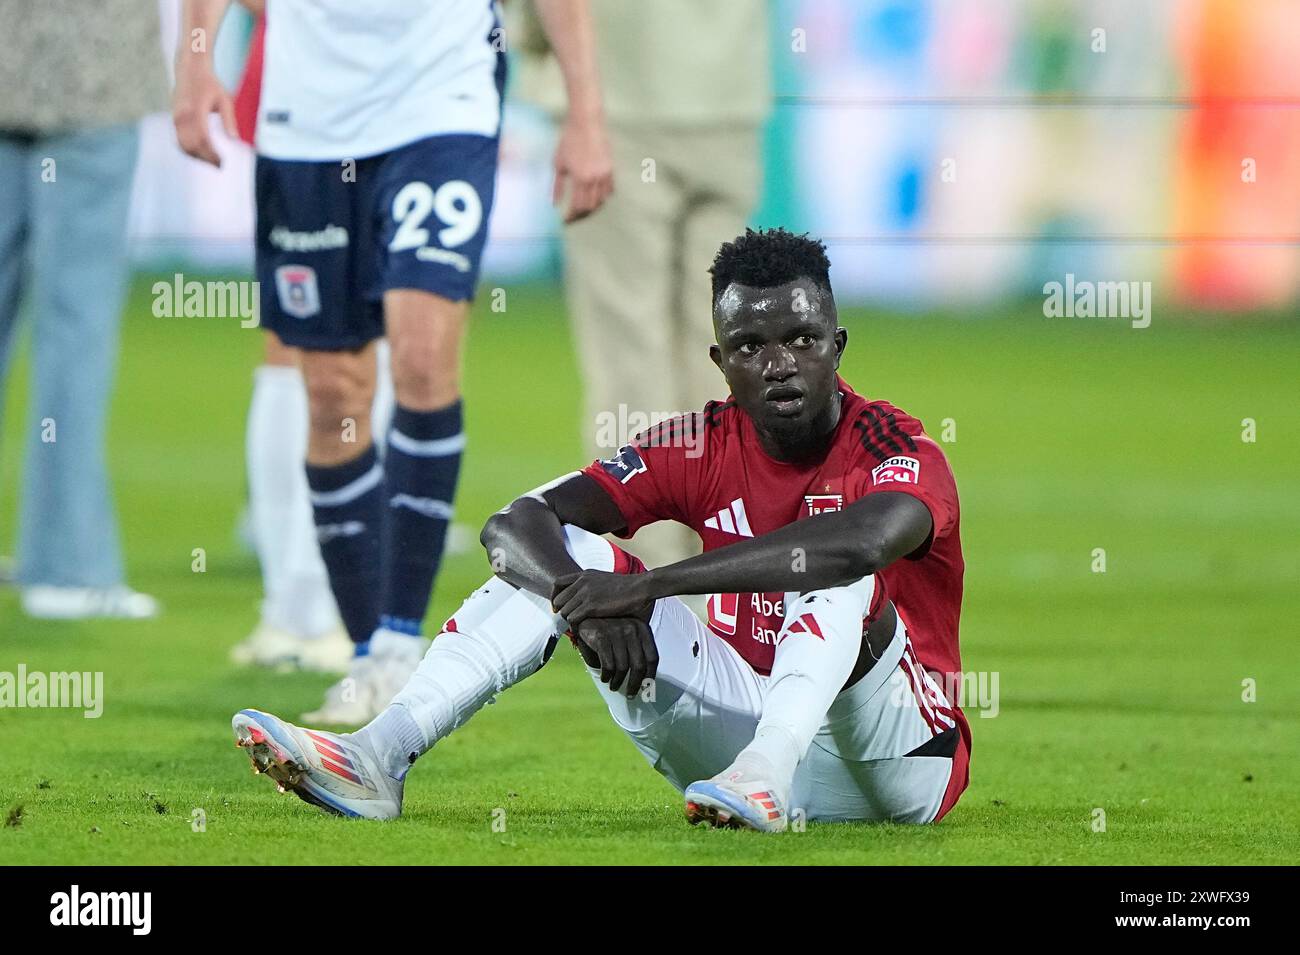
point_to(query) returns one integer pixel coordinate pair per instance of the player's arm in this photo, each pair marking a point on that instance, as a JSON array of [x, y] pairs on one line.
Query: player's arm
[[822, 551], [525, 539], [198, 92], [525, 543], [582, 157]]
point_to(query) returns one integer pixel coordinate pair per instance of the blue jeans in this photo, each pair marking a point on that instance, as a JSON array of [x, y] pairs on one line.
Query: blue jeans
[[63, 210]]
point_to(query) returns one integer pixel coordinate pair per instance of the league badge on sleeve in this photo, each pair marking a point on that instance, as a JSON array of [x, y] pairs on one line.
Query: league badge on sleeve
[[625, 465], [899, 470], [297, 290]]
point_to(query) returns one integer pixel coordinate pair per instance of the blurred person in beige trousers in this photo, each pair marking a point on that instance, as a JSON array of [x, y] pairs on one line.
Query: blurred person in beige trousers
[[687, 89]]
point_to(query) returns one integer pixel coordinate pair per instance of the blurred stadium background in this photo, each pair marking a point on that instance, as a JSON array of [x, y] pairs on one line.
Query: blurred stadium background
[[1119, 163], [1172, 157]]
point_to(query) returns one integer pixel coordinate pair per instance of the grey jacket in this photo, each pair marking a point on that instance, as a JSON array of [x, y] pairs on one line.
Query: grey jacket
[[75, 64]]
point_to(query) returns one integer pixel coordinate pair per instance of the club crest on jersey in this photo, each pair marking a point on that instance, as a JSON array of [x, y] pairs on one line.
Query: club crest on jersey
[[625, 465], [900, 470], [823, 503], [297, 289]]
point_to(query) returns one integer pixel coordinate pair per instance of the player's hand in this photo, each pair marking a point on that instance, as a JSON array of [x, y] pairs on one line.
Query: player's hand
[[595, 593], [198, 95], [584, 164], [623, 648]]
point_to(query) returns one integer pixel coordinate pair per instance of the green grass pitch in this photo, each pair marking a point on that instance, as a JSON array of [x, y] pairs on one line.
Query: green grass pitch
[[1120, 691]]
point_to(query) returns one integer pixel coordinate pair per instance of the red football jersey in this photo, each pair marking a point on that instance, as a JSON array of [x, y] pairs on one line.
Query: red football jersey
[[709, 472]]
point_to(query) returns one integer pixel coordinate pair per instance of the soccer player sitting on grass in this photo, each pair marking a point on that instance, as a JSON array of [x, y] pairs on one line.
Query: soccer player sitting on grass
[[832, 556]]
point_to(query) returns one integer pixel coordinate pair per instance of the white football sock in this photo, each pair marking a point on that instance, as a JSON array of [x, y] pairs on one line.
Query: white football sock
[[815, 653], [499, 636], [502, 635], [294, 581]]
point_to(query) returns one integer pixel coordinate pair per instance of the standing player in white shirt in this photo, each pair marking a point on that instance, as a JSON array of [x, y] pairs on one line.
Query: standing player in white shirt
[[377, 143]]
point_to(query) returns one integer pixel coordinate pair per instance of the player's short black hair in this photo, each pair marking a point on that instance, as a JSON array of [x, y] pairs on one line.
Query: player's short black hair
[[770, 257]]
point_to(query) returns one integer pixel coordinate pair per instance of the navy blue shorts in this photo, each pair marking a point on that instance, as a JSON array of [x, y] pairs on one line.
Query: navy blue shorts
[[332, 237]]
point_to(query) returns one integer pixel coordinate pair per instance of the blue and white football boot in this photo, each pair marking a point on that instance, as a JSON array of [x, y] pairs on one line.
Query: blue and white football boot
[[335, 771], [742, 796]]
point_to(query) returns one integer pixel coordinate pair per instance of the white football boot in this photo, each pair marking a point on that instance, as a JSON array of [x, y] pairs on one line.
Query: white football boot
[[372, 680], [46, 602], [742, 796], [336, 772]]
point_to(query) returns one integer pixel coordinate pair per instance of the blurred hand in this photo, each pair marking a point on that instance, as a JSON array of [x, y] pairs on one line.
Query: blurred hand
[[198, 95], [583, 163]]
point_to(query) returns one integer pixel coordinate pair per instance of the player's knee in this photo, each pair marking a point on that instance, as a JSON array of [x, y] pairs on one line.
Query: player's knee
[[336, 395], [425, 375], [848, 602]]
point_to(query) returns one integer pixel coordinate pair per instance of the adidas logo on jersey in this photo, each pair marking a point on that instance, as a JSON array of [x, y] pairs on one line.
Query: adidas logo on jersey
[[731, 519]]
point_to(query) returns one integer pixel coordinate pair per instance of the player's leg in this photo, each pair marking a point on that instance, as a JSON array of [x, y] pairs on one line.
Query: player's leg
[[425, 440], [817, 649], [316, 268], [499, 636], [891, 748], [310, 609], [702, 707], [299, 623], [727, 736], [704, 703], [431, 201], [345, 478]]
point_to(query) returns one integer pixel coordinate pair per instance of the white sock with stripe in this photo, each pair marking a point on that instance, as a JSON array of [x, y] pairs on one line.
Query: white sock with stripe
[[815, 654]]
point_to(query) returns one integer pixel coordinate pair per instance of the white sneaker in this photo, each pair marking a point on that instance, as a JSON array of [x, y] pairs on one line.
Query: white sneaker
[[349, 702], [82, 603], [372, 680], [742, 796], [331, 652], [336, 772], [266, 646], [269, 646]]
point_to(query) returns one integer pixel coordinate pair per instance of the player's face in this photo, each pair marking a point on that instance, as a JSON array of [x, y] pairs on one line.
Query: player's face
[[779, 349]]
